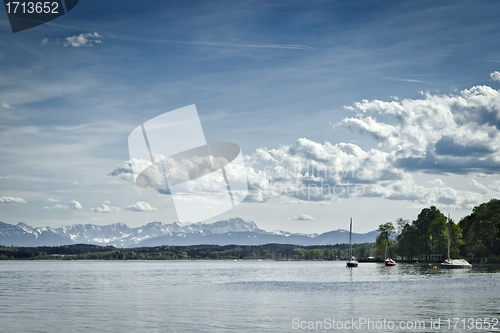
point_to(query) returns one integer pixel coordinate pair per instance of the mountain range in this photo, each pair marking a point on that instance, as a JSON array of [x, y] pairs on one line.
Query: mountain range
[[233, 231]]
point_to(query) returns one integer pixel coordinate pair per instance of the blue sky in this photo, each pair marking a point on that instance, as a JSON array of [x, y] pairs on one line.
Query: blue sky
[[398, 100]]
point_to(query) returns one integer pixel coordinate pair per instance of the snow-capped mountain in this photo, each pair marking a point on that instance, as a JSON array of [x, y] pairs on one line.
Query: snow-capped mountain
[[25, 235], [95, 234], [232, 231]]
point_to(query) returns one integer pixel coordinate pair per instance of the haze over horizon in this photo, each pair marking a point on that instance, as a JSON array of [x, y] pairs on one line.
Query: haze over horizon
[[372, 110]]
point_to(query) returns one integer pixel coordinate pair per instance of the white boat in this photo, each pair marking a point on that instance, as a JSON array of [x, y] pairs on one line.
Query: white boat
[[352, 262], [453, 263]]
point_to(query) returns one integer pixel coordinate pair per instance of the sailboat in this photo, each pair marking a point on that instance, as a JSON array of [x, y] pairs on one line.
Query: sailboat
[[388, 261], [453, 263], [352, 262]]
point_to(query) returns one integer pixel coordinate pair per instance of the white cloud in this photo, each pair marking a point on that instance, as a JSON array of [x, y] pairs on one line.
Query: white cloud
[[310, 170], [83, 40], [8, 200], [141, 206], [444, 133], [56, 206], [72, 204], [436, 134], [304, 217], [104, 208], [436, 182], [6, 105], [495, 76], [82, 183], [124, 171], [75, 205]]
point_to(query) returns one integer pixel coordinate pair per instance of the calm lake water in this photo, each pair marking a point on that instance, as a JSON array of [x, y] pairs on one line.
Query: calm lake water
[[244, 296]]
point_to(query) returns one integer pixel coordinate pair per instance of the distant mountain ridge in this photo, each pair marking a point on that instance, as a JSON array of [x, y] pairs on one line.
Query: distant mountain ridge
[[233, 231]]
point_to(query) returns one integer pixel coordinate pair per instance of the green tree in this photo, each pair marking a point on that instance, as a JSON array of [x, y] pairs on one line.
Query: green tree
[[401, 224], [386, 231], [408, 242], [481, 230], [455, 233], [364, 250], [431, 230]]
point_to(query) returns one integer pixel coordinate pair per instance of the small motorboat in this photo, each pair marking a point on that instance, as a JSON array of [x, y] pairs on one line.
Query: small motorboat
[[455, 264]]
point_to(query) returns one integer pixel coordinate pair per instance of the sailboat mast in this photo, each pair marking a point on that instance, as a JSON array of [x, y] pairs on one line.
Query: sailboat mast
[[449, 236], [350, 240], [386, 244]]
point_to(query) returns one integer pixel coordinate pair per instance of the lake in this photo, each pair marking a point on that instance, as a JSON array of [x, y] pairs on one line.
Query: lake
[[245, 296]]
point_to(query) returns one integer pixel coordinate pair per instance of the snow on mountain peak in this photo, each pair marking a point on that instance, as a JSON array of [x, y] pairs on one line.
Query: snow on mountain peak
[[230, 231]]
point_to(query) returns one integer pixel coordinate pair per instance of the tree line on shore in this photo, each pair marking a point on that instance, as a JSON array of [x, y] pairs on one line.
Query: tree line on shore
[[211, 252], [475, 237]]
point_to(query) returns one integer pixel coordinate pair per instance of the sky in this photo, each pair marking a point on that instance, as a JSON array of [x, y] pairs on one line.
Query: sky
[[366, 109]]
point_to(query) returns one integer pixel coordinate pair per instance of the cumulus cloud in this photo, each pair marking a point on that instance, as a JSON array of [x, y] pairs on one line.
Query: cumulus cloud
[[140, 206], [436, 182], [153, 179], [435, 134], [56, 206], [73, 204], [310, 170], [495, 76], [6, 105], [83, 40], [105, 208], [9, 200], [442, 133], [123, 171], [304, 217]]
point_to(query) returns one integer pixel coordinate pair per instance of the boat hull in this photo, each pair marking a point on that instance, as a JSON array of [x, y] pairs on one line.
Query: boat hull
[[389, 262], [352, 264], [455, 264]]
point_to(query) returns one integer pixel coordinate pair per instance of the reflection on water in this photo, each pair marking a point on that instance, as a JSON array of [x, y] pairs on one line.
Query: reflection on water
[[242, 296]]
